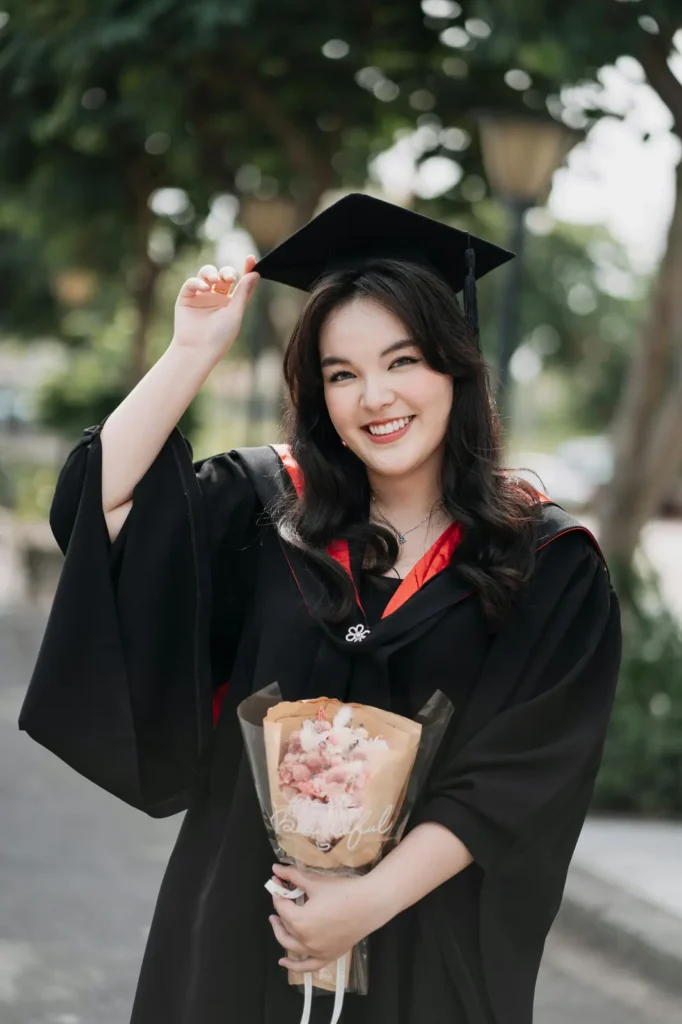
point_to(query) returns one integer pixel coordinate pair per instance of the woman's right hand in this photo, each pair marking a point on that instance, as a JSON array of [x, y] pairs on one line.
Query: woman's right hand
[[207, 317]]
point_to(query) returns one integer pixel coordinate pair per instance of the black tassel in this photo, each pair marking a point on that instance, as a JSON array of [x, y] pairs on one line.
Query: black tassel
[[470, 295]]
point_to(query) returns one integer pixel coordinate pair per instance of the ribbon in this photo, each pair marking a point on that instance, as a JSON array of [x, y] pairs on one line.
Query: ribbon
[[275, 889]]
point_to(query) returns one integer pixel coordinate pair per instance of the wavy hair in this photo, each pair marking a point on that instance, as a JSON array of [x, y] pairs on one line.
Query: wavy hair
[[498, 512]]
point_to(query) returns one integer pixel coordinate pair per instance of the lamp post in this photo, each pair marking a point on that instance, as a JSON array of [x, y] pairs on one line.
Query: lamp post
[[520, 156], [268, 221], [74, 286]]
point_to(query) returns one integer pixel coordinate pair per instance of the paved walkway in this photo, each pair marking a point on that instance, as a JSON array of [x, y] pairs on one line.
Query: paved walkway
[[661, 547], [79, 873], [624, 894], [642, 857]]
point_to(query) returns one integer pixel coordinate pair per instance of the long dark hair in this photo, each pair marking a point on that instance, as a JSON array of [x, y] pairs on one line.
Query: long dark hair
[[497, 511]]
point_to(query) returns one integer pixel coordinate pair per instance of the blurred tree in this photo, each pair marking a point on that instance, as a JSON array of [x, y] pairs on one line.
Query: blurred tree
[[566, 44], [130, 123], [80, 168], [642, 767], [582, 302], [28, 303], [126, 120]]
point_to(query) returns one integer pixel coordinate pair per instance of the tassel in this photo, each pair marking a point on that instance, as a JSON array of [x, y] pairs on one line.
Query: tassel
[[470, 296]]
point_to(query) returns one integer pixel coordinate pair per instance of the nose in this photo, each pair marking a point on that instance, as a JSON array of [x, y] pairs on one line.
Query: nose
[[377, 394]]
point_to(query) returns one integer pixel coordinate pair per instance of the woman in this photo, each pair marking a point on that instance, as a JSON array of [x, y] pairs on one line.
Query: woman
[[382, 555]]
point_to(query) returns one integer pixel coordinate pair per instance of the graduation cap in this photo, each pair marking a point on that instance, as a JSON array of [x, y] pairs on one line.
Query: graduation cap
[[360, 228]]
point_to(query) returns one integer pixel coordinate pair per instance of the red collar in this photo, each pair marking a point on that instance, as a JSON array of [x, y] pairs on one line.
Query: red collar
[[429, 565]]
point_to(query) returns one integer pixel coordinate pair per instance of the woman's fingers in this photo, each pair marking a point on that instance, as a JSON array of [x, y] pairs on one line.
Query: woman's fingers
[[298, 879], [299, 958], [302, 966], [209, 273], [212, 282], [286, 939], [193, 285], [289, 913], [225, 280]]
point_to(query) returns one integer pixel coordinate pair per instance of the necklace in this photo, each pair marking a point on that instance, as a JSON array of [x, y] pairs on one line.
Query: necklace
[[402, 534]]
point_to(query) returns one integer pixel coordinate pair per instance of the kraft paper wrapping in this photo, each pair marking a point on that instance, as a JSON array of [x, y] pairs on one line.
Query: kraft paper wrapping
[[381, 800], [325, 978]]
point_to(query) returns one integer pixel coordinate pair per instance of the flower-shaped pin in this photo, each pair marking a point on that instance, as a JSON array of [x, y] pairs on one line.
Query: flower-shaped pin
[[358, 632]]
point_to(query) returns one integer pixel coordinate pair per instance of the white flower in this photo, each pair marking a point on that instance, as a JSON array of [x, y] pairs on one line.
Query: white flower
[[358, 632], [343, 717], [310, 737]]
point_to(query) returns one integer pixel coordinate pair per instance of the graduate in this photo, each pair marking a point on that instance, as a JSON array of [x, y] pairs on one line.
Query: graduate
[[382, 553]]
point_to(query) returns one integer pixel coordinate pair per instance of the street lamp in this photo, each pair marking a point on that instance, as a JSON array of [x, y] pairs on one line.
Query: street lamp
[[268, 221], [520, 156], [74, 286]]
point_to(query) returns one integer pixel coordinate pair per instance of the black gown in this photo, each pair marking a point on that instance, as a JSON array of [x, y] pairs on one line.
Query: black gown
[[198, 589]]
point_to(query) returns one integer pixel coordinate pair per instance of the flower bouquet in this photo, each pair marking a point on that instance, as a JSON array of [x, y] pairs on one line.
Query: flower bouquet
[[336, 783]]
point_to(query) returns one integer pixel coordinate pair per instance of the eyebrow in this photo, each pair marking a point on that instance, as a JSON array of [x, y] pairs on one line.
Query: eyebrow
[[394, 347]]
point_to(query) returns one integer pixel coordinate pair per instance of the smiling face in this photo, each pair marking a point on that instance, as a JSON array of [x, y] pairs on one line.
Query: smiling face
[[384, 401]]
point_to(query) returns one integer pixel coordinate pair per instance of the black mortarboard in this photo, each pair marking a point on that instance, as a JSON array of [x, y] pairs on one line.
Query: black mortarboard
[[359, 228]]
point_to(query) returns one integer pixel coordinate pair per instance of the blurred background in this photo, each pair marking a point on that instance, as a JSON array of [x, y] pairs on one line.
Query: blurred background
[[140, 140]]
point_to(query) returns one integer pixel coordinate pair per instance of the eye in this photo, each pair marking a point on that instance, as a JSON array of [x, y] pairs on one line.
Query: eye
[[338, 376], [401, 359]]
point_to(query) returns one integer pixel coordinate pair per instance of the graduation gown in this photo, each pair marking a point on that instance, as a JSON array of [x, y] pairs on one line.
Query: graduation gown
[[130, 689]]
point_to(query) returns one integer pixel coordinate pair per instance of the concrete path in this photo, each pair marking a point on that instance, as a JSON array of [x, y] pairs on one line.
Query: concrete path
[[644, 858], [79, 874], [624, 893], [661, 547]]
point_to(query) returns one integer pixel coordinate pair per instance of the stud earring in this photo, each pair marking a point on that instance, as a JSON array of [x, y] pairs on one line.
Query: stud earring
[[344, 444]]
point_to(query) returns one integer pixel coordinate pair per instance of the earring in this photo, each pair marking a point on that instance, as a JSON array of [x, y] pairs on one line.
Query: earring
[[344, 444]]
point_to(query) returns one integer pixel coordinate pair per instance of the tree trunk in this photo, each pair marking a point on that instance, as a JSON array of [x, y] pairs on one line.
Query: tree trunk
[[144, 298], [647, 431]]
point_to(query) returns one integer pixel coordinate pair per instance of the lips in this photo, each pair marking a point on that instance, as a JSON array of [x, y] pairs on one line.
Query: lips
[[392, 430]]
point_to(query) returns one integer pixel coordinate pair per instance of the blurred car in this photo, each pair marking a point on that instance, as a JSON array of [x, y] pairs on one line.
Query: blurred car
[[592, 457], [555, 477], [578, 469]]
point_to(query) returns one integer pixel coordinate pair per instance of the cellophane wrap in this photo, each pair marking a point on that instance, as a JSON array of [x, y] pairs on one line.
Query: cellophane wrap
[[336, 783]]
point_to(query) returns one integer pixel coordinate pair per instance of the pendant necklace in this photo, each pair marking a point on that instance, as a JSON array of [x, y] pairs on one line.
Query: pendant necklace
[[401, 535]]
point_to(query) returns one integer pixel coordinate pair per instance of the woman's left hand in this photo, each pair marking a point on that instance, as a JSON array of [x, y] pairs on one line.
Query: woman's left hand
[[338, 913]]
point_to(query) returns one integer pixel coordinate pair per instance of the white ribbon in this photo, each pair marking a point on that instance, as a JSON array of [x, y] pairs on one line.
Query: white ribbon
[[275, 889], [340, 989]]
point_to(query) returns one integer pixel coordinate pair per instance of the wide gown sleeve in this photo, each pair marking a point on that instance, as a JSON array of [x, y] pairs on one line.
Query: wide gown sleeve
[[525, 756], [515, 781], [141, 632]]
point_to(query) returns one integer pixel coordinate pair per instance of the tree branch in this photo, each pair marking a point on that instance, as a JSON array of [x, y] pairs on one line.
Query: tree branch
[[296, 143], [664, 458], [653, 57], [641, 431]]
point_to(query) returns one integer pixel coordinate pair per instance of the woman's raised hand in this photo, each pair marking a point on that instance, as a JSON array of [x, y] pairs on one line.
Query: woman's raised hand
[[208, 316]]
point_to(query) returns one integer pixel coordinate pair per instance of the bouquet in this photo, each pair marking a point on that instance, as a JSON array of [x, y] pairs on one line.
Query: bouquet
[[336, 783]]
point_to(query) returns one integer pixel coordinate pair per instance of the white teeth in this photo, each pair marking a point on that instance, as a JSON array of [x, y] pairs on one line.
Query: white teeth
[[389, 428]]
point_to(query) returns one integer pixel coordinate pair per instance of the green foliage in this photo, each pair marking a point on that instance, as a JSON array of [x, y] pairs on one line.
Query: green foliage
[[33, 487], [83, 396], [580, 309], [94, 381], [108, 105], [642, 766], [30, 307]]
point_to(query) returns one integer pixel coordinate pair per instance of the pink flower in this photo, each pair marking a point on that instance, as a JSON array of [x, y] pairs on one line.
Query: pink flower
[[315, 762], [328, 762]]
